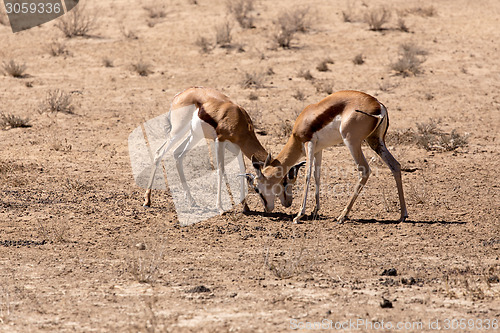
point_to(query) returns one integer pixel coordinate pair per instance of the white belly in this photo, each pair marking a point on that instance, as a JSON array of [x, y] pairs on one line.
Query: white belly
[[328, 135]]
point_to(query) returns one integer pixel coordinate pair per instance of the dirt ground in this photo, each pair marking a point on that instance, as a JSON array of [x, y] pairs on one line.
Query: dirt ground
[[78, 252]]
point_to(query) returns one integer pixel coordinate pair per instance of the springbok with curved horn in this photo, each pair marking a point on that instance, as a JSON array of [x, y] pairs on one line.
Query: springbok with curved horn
[[350, 117], [207, 113]]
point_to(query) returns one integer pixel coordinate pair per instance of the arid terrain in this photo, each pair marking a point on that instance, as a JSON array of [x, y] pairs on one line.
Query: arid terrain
[[79, 253]]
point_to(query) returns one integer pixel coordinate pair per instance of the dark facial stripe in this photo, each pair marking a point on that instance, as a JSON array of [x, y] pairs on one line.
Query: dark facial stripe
[[203, 115]]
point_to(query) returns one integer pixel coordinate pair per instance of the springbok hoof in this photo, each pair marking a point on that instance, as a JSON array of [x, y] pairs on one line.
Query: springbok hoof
[[341, 219]]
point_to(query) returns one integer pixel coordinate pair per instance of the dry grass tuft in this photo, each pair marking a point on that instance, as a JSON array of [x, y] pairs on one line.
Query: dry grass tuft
[[11, 121], [377, 18], [57, 48], [290, 23], [410, 60], [299, 95], [323, 65], [156, 10], [142, 68], [78, 22], [358, 59], [57, 101], [14, 69], [107, 62], [223, 35], [241, 10], [429, 136], [306, 74], [204, 44], [253, 80]]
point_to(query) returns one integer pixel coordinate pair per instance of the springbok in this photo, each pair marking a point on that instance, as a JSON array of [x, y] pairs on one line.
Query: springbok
[[345, 116], [199, 113]]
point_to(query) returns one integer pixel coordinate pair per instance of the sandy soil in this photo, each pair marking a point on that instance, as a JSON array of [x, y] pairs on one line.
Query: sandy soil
[[78, 252]]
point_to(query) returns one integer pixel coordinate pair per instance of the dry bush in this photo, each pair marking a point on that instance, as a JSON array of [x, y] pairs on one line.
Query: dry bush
[[358, 59], [204, 44], [253, 96], [57, 48], [421, 11], [429, 136], [348, 14], [324, 87], [107, 62], [410, 60], [14, 69], [253, 80], [129, 34], [11, 121], [57, 101], [376, 18], [142, 68], [306, 74], [402, 25], [241, 10], [223, 35], [288, 24], [299, 95], [60, 145], [146, 267], [323, 65], [156, 10], [78, 22]]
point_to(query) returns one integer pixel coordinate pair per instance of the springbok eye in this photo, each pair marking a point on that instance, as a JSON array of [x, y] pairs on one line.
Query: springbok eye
[[256, 189]]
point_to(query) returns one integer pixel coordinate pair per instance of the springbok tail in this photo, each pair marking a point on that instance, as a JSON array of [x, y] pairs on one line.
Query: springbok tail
[[379, 116]]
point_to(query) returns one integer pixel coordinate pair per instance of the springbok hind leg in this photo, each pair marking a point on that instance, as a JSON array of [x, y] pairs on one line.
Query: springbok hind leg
[[364, 170], [379, 147]]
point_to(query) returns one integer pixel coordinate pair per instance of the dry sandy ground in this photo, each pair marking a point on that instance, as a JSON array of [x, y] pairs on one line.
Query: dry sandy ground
[[71, 214]]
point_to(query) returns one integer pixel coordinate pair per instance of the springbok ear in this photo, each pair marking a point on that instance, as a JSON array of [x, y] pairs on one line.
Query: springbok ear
[[268, 160], [294, 171]]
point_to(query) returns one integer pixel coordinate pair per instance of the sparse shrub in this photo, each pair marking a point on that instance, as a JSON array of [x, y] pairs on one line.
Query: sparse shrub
[[410, 60], [145, 268], [323, 66], [78, 22], [324, 87], [223, 35], [402, 25], [358, 59], [429, 137], [59, 145], [142, 68], [288, 24], [377, 18], [11, 121], [14, 69], [204, 45], [348, 14], [253, 80], [107, 62], [57, 101], [57, 48], [306, 74], [253, 96], [299, 95], [241, 10], [156, 10], [421, 11], [129, 34]]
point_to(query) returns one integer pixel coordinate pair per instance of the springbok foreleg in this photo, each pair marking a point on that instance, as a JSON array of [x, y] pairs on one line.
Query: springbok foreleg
[[309, 147], [317, 174]]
